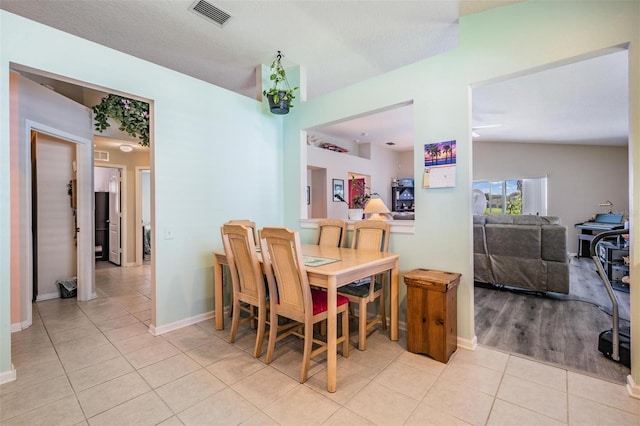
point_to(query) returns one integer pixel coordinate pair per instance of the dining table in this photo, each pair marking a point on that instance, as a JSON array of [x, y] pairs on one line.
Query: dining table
[[336, 267]]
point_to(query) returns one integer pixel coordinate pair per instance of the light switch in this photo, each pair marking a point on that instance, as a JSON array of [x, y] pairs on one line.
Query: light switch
[[168, 234]]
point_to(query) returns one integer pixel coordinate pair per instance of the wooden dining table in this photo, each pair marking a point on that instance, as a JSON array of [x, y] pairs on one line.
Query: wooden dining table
[[351, 265]]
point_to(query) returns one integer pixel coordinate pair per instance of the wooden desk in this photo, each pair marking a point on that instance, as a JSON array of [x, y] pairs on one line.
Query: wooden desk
[[353, 265]]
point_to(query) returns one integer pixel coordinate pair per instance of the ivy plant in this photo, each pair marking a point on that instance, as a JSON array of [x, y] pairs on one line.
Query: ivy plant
[[132, 115]]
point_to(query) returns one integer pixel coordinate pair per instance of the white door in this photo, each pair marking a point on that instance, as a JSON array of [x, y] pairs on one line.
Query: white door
[[114, 217]]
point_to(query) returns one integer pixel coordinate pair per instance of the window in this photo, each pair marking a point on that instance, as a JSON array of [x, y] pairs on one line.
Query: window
[[515, 196]]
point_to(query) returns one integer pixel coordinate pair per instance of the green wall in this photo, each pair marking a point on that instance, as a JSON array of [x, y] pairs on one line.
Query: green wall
[[496, 44]]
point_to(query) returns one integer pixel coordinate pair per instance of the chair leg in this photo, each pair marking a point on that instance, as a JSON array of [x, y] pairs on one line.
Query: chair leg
[[262, 320], [235, 319], [345, 333], [362, 326], [306, 354], [273, 335], [383, 314]]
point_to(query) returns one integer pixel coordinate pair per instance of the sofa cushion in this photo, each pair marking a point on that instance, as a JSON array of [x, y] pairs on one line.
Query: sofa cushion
[[526, 219], [522, 241], [523, 273], [554, 243]]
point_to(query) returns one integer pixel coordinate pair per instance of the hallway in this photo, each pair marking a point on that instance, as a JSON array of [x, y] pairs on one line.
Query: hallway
[[96, 363]]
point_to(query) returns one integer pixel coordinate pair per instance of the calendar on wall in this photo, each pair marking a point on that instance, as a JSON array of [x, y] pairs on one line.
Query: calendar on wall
[[440, 165]]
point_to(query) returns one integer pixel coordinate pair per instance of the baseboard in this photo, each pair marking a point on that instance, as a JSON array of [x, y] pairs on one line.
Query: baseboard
[[157, 331], [47, 296], [20, 326], [468, 344], [633, 388], [8, 376]]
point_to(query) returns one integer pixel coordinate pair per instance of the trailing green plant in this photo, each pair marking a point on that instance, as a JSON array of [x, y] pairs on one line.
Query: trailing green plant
[[132, 115], [281, 90]]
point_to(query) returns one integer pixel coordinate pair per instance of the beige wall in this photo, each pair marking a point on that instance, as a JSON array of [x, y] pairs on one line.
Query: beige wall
[[55, 218], [579, 176], [129, 160]]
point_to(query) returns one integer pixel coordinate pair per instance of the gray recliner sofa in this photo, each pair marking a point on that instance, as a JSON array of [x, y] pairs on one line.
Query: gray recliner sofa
[[528, 252]]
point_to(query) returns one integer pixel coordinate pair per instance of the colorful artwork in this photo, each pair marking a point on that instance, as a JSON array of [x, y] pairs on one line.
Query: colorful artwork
[[440, 165], [440, 153]]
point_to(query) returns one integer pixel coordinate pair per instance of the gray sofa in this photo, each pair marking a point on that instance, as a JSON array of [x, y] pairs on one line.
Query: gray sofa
[[529, 252]]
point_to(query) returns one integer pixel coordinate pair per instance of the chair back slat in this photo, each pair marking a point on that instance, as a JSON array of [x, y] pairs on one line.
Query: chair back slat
[[244, 266], [249, 224], [285, 271], [332, 232], [371, 235]]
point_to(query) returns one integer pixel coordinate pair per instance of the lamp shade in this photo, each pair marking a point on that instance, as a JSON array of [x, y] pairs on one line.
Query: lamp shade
[[376, 209]]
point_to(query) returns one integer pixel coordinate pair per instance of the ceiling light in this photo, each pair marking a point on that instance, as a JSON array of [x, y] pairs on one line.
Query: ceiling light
[[126, 148]]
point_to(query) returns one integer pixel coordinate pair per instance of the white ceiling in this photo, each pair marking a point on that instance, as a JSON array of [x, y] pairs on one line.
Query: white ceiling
[[340, 43]]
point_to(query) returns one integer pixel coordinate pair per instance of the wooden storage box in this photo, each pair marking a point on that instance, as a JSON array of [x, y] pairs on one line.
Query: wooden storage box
[[432, 313]]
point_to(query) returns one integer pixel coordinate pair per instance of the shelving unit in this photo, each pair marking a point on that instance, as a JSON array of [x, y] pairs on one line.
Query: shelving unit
[[402, 199], [610, 254]]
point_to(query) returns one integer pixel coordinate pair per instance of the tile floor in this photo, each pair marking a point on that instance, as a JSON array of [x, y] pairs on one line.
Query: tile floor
[[95, 363]]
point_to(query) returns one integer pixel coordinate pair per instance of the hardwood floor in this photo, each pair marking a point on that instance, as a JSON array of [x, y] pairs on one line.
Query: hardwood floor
[[554, 328]]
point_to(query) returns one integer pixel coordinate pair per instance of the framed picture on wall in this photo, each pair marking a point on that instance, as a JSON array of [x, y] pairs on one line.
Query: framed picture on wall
[[338, 190]]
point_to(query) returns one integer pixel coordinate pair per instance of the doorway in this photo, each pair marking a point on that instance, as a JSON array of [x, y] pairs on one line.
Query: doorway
[[109, 220], [526, 126]]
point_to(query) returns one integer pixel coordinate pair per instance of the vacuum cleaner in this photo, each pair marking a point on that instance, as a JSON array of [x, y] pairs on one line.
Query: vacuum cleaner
[[615, 343]]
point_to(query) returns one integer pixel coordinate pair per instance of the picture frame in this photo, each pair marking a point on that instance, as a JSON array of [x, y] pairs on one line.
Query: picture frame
[[338, 189]]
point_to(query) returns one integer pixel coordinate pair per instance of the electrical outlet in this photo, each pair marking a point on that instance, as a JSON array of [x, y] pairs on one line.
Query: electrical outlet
[[168, 234]]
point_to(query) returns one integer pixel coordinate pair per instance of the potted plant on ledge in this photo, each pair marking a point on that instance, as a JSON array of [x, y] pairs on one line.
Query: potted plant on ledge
[[280, 95], [359, 198]]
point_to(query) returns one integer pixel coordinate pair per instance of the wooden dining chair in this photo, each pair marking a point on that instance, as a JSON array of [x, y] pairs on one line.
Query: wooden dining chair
[[368, 235], [248, 224], [332, 232], [286, 274], [247, 281]]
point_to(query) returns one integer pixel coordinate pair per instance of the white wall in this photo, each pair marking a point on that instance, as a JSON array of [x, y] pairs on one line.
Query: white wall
[[579, 176], [382, 167], [101, 179]]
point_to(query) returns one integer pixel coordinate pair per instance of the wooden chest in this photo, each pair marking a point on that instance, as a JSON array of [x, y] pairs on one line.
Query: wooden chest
[[432, 313]]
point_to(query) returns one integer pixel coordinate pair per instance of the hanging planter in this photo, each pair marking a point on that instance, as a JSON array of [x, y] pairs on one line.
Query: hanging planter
[[280, 95], [132, 115]]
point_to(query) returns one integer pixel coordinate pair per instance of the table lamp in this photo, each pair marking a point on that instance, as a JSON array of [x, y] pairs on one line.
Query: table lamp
[[376, 209]]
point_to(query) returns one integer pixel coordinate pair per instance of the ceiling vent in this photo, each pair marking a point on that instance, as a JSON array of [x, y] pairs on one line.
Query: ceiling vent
[[390, 143], [210, 12], [101, 155]]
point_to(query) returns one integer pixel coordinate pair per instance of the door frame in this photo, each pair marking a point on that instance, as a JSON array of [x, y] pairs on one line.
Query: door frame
[[138, 222], [84, 214]]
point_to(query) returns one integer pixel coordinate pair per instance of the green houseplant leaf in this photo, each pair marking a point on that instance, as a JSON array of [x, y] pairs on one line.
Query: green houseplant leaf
[[131, 114]]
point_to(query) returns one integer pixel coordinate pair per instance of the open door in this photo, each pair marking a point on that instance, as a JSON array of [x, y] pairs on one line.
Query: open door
[[115, 217]]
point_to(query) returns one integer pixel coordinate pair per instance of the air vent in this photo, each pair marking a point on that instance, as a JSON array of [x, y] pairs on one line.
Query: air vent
[[210, 12], [100, 155], [390, 143]]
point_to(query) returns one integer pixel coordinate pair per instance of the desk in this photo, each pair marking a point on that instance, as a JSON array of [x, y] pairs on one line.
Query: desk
[[353, 265]]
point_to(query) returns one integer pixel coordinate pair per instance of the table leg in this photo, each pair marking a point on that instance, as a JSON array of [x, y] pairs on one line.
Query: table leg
[[393, 303], [332, 333], [219, 302]]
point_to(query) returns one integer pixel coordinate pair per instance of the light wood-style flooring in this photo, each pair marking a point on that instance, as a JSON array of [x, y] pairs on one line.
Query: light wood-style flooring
[[554, 328]]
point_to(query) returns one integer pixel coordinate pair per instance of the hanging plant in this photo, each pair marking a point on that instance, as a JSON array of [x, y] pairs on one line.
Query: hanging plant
[[132, 115], [280, 95]]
